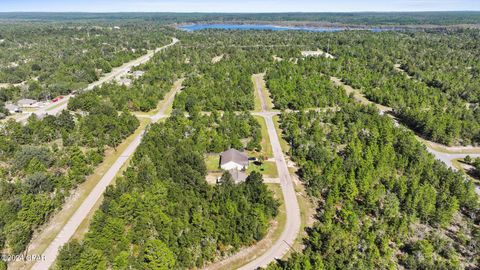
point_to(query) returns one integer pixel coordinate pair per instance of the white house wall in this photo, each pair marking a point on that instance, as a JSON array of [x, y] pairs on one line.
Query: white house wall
[[231, 165]]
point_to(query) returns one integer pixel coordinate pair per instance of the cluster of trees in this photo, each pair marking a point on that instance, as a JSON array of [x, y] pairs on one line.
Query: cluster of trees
[[221, 87], [225, 85], [434, 106], [145, 92], [43, 160], [103, 124], [438, 103], [475, 163], [452, 63], [302, 86], [53, 59], [385, 202], [162, 214]]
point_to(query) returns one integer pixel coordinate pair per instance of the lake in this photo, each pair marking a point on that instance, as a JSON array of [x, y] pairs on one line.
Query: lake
[[198, 27]]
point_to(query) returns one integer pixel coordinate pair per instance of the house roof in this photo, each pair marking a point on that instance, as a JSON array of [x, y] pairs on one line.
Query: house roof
[[11, 107], [237, 175], [235, 156], [124, 81], [26, 101], [138, 73]]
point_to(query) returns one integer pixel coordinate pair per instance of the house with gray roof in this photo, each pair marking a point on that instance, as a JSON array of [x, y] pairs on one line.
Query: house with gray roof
[[12, 108], [124, 81], [233, 159], [27, 103], [238, 176], [138, 73]]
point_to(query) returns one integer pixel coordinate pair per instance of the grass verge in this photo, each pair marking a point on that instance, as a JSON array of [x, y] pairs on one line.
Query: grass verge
[[267, 169], [264, 91], [266, 145], [59, 103], [307, 211], [449, 150], [283, 143]]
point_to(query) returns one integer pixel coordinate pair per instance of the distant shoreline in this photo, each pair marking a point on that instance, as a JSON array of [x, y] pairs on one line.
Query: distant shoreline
[[307, 25]]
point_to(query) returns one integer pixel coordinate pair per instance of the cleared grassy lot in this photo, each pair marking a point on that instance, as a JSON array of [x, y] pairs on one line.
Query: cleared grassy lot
[[267, 169], [283, 143], [213, 162]]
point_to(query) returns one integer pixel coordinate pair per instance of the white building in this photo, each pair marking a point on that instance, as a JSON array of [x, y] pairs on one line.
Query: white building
[[27, 103], [138, 73], [12, 108], [124, 81], [233, 159]]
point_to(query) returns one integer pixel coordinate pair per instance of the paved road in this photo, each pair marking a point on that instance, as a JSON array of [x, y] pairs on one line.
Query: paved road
[[293, 222], [292, 226], [82, 212], [448, 157], [55, 108]]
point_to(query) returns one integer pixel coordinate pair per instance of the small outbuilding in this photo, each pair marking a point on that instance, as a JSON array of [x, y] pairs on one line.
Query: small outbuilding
[[233, 159], [238, 176], [27, 103], [138, 73], [124, 81], [12, 108]]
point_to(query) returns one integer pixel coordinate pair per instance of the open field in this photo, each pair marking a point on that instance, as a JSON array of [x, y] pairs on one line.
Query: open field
[[283, 143], [266, 146]]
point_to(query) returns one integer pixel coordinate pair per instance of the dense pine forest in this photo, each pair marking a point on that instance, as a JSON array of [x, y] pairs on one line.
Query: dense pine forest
[[44, 159], [164, 211], [384, 202], [43, 61], [418, 19]]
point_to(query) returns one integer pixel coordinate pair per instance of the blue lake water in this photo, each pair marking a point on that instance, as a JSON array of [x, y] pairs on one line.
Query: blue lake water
[[198, 27]]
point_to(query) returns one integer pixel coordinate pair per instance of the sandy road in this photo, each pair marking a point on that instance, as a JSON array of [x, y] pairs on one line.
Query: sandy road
[[82, 212], [54, 108], [258, 81]]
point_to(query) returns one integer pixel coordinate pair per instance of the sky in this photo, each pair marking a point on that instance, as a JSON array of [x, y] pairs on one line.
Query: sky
[[236, 6]]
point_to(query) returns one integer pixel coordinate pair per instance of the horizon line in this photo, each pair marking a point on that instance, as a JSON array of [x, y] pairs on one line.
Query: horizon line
[[241, 12]]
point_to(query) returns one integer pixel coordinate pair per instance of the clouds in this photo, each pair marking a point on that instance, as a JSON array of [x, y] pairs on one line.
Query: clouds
[[237, 5]]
